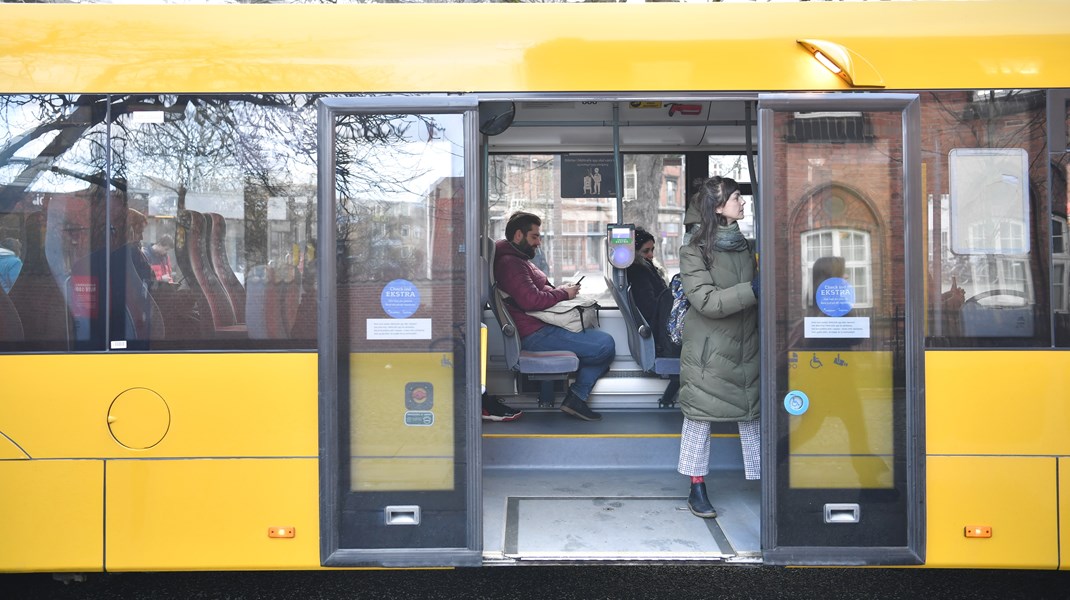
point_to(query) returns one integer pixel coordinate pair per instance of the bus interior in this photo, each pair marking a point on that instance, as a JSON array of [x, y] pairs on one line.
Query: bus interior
[[557, 488]]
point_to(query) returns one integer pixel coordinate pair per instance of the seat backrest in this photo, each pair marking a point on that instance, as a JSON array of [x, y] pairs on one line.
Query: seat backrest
[[10, 323], [185, 250], [190, 247], [219, 301], [39, 300], [256, 302], [640, 338], [510, 338], [286, 289], [217, 254]]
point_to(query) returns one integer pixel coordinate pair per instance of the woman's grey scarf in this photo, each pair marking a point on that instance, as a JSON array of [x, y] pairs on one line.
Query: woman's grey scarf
[[730, 238]]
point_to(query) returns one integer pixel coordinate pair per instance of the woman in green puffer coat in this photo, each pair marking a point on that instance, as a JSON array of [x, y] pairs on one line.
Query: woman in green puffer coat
[[719, 360]]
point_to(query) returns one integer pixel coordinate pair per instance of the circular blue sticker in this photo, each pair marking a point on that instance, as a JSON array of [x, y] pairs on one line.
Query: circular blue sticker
[[622, 257], [835, 297], [796, 402], [400, 298]]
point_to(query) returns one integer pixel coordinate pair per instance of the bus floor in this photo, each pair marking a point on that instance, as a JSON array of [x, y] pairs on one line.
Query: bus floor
[[559, 490]]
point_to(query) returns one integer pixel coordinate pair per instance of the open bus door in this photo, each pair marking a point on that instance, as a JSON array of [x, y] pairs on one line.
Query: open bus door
[[399, 443], [843, 282]]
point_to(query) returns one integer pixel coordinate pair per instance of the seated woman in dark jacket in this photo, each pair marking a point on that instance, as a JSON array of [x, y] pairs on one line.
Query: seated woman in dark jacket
[[650, 292], [654, 300]]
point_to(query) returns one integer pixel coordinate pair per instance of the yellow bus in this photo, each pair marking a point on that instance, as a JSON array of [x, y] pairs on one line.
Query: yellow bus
[[246, 315]]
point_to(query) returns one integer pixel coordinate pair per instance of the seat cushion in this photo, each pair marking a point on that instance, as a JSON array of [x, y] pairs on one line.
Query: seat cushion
[[667, 366], [554, 361]]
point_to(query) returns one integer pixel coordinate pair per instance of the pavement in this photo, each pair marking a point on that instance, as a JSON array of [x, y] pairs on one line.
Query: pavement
[[674, 582]]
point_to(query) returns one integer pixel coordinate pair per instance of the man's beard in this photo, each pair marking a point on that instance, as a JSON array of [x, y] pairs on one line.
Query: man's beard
[[526, 248]]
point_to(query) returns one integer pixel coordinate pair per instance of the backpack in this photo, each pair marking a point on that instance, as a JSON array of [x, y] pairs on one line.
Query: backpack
[[680, 304]]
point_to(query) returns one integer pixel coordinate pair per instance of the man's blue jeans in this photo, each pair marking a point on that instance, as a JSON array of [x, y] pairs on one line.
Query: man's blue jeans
[[594, 348]]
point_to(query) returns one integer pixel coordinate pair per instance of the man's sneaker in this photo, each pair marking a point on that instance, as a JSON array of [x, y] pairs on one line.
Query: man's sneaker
[[578, 408], [496, 410]]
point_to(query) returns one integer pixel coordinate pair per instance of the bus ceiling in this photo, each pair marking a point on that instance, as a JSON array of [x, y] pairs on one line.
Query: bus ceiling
[[643, 125]]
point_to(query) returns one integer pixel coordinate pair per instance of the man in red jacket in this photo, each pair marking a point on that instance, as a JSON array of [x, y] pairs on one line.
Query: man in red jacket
[[529, 289]]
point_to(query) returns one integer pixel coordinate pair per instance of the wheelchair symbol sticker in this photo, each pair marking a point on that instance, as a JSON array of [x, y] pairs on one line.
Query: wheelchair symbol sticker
[[796, 402]]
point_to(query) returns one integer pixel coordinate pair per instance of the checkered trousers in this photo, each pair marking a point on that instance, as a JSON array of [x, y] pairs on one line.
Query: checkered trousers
[[750, 438], [695, 448]]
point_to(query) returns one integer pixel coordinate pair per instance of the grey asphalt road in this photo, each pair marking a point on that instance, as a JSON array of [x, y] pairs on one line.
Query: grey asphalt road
[[556, 583]]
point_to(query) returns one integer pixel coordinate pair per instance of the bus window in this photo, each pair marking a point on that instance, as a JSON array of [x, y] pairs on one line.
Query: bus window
[[574, 223], [226, 190], [988, 245], [657, 203], [53, 224], [205, 229]]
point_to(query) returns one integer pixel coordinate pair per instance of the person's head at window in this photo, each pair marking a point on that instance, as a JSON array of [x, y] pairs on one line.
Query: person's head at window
[[523, 231], [163, 245], [720, 202], [644, 243], [720, 206], [827, 267], [136, 222]]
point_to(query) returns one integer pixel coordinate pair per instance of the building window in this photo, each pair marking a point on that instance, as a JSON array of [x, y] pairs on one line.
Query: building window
[[1060, 281], [850, 245], [830, 127], [630, 192]]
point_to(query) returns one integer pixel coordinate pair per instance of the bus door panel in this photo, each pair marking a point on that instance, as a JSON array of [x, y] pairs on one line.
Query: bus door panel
[[398, 382], [841, 346]]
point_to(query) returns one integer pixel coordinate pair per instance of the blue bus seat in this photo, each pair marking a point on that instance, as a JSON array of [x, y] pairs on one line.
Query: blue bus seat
[[640, 335]]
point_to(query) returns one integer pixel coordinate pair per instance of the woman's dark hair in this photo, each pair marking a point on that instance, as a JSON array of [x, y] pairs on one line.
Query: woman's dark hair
[[712, 194], [642, 236]]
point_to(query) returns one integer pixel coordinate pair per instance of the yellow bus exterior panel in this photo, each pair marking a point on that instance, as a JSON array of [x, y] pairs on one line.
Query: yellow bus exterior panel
[[400, 441], [502, 47], [843, 472], [58, 406], [992, 402], [1064, 512], [9, 450], [402, 474], [844, 439], [211, 514], [52, 515], [1015, 496]]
